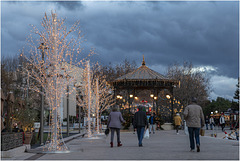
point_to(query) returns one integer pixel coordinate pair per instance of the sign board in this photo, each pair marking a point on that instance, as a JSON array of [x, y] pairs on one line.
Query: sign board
[[36, 125]]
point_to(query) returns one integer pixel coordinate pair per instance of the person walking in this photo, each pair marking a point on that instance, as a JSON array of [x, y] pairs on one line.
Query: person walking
[[222, 122], [212, 123], [114, 123], [206, 122], [140, 121], [152, 122], [177, 121], [194, 117]]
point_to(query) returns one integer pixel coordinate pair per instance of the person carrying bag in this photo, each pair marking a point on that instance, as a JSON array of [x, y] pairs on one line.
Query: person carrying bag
[[146, 135], [140, 122], [114, 123]]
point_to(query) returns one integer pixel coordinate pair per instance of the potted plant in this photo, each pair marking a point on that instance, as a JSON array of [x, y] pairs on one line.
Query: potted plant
[[26, 117]]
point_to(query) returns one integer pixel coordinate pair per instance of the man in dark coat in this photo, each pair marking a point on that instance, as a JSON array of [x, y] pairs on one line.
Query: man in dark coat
[[140, 121]]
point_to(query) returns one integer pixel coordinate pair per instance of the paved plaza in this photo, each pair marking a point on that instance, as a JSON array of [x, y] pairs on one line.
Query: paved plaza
[[163, 145]]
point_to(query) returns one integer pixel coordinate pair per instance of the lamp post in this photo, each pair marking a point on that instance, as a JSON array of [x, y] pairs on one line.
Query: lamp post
[[67, 110], [130, 102], [121, 102], [155, 100], [171, 101], [136, 98], [119, 98]]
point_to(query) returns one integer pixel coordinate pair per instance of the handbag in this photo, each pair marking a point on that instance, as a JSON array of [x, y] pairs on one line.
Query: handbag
[[146, 134], [106, 131], [202, 131]]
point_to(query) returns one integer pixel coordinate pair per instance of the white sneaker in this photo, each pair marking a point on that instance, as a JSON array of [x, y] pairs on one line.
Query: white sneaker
[[177, 133]]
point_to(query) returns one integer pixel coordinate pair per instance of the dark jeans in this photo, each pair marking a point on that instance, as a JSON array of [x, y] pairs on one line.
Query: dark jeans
[[118, 134], [177, 127], [211, 126], [223, 126], [194, 131], [206, 126], [140, 132]]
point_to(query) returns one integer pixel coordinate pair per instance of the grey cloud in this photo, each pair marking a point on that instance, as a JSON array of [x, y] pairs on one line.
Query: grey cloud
[[69, 5], [199, 34], [205, 33]]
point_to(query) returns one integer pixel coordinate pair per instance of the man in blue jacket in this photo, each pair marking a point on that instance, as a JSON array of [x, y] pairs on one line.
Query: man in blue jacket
[[140, 121]]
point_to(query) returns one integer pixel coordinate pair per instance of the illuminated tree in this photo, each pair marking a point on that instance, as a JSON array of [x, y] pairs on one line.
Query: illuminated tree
[[52, 68], [101, 94], [104, 95]]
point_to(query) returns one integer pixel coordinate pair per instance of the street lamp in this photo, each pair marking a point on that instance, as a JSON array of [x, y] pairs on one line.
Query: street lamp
[[119, 101], [171, 101], [168, 96], [136, 98], [130, 102], [151, 95]]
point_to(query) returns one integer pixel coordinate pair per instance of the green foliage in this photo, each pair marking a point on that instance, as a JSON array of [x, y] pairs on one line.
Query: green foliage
[[160, 119], [236, 94], [26, 117], [127, 117], [36, 138], [220, 105], [235, 105]]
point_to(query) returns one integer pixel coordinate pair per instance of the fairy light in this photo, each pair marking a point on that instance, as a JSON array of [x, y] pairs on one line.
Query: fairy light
[[100, 92], [56, 72]]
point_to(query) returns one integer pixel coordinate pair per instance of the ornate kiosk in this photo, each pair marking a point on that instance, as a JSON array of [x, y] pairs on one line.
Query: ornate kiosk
[[146, 87]]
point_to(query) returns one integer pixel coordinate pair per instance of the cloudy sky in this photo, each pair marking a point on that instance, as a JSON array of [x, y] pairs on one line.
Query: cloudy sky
[[204, 33]]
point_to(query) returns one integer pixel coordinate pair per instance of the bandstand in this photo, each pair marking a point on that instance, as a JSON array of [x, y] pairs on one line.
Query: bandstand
[[144, 86]]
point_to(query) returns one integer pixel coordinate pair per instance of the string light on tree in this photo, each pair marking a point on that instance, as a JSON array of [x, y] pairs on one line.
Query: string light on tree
[[56, 72]]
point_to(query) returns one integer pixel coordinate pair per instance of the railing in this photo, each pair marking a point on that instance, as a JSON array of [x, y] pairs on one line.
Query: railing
[[11, 140]]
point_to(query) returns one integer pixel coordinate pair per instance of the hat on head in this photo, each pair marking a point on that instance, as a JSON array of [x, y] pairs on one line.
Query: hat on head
[[194, 99], [140, 108], [177, 114]]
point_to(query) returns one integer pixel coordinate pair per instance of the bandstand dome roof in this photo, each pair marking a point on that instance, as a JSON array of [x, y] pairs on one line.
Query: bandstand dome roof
[[142, 73]]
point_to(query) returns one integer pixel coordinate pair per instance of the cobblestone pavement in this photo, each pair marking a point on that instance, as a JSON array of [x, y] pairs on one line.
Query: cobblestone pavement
[[163, 145]]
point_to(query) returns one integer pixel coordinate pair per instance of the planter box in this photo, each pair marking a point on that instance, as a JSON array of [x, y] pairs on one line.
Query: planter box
[[11, 140], [28, 138]]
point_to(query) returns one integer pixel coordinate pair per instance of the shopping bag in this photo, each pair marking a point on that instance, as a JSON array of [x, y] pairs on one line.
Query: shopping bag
[[185, 128], [146, 134], [202, 131], [106, 131]]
